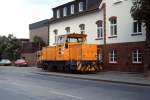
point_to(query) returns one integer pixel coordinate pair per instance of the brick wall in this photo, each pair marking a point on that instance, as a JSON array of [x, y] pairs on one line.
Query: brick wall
[[124, 57]]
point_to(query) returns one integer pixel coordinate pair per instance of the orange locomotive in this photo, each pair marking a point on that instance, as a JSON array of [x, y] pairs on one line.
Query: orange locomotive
[[70, 53]]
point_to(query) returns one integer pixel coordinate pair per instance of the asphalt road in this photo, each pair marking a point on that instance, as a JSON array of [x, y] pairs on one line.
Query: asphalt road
[[22, 84]]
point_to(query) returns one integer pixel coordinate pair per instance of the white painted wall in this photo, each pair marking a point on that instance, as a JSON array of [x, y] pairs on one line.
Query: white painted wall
[[90, 27], [124, 22]]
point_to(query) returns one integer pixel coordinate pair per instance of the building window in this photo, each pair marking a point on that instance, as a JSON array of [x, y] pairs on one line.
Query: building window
[[136, 56], [82, 28], [112, 56], [58, 13], [137, 27], [72, 9], [113, 26], [67, 29], [80, 6], [100, 31], [65, 11], [55, 35]]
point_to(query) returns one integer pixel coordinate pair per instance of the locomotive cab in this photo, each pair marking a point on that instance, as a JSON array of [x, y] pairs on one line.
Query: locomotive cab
[[69, 39]]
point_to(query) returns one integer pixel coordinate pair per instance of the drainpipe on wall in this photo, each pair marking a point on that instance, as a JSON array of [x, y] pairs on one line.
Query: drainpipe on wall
[[104, 46], [48, 32], [104, 7]]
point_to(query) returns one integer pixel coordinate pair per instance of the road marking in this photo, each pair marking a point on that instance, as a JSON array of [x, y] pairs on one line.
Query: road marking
[[63, 94]]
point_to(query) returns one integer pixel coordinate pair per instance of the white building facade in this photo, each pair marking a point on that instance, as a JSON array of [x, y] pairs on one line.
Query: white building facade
[[109, 24]]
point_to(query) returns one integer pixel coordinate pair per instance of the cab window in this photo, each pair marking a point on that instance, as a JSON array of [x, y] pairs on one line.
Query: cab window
[[60, 40], [74, 40]]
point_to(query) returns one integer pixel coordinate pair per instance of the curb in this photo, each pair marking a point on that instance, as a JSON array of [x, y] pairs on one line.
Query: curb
[[94, 79]]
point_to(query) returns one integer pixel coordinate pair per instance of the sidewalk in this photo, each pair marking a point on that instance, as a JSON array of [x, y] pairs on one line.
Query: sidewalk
[[112, 76]]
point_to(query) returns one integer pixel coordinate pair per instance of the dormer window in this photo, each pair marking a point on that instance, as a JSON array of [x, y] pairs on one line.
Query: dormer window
[[72, 9], [58, 13], [80, 6], [65, 11]]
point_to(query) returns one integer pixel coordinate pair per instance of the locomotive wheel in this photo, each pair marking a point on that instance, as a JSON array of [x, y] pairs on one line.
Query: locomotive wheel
[[44, 66]]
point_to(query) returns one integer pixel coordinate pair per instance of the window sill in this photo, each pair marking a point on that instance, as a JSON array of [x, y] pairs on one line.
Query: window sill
[[136, 34], [113, 63], [99, 38], [81, 11], [116, 2], [112, 37], [136, 62]]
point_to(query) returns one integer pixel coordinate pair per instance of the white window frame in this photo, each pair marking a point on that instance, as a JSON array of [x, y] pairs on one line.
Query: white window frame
[[136, 55], [80, 6], [55, 35], [65, 11], [112, 28], [113, 56], [82, 28], [66, 30], [72, 9], [100, 31], [100, 57], [137, 28], [58, 13]]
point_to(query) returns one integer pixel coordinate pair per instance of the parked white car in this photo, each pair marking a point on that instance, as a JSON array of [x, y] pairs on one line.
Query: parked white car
[[5, 62]]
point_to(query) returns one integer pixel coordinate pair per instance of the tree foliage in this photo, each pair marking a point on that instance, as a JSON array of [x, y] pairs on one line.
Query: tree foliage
[[38, 42], [141, 12], [10, 47]]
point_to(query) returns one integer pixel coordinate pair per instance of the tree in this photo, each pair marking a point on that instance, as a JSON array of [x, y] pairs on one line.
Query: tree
[[3, 44], [38, 42], [141, 12], [10, 47]]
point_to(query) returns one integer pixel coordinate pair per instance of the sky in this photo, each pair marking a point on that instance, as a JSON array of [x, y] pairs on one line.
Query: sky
[[16, 15]]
